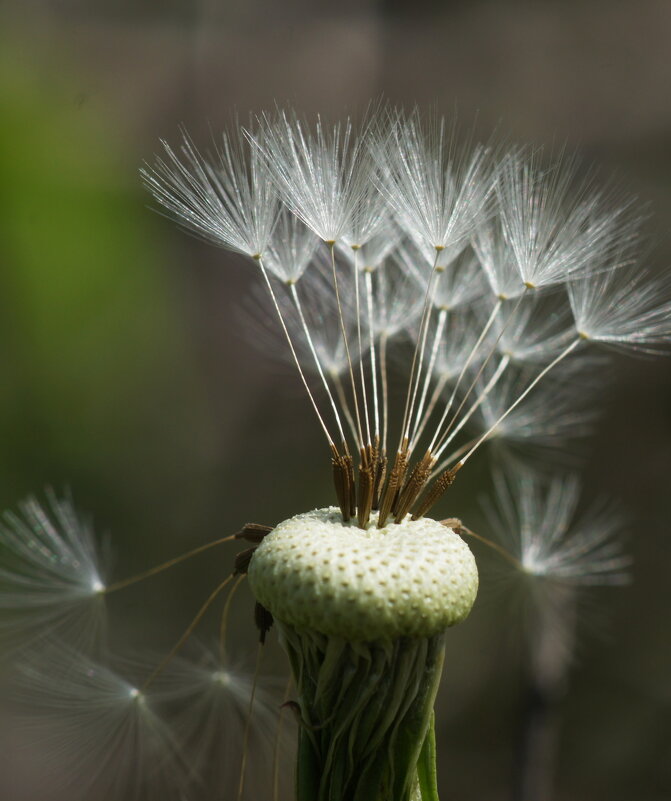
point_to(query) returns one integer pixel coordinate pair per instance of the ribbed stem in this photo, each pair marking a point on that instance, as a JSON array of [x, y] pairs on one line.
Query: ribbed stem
[[366, 716], [427, 776]]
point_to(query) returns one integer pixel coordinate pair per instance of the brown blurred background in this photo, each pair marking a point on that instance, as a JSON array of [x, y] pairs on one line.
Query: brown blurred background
[[125, 370]]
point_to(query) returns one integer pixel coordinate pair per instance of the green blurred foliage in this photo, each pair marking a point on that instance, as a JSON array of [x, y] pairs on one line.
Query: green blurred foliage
[[94, 366]]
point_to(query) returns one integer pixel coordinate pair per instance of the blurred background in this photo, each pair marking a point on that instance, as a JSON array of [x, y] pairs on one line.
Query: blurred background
[[127, 375]]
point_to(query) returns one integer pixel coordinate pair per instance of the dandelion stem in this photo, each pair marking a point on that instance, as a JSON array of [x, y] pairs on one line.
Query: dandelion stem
[[427, 765], [461, 375], [440, 325], [299, 309], [248, 722], [364, 394], [277, 741], [503, 364], [441, 441], [294, 354], [519, 400], [224, 619], [454, 455], [189, 631], [342, 397], [418, 355], [371, 337], [120, 585], [490, 544], [544, 684], [385, 389], [357, 414], [440, 386]]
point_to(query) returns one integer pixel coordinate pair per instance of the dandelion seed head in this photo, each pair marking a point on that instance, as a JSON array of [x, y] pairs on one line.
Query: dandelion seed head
[[364, 584], [432, 297]]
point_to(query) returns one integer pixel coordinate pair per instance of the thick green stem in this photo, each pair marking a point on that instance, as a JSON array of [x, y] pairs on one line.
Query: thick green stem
[[426, 766], [367, 716]]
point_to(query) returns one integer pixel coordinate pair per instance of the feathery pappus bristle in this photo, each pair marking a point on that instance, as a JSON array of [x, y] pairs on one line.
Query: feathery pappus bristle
[[626, 307], [50, 573], [227, 199], [417, 226], [557, 550], [537, 519], [93, 732], [207, 703], [322, 173]]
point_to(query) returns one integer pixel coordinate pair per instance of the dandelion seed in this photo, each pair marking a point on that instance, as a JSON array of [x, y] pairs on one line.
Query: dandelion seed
[[322, 172], [625, 307], [558, 554], [230, 202], [98, 735], [536, 519], [438, 193], [50, 575], [206, 703], [556, 230]]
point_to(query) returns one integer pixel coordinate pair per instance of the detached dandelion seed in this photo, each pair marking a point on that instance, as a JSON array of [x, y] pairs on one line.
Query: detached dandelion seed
[[558, 555], [50, 574], [100, 733]]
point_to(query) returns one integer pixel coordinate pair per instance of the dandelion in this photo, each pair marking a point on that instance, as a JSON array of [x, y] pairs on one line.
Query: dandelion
[[109, 728], [432, 298]]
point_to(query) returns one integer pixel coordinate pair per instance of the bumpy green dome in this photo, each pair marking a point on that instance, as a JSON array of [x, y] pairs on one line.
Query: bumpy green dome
[[410, 579]]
